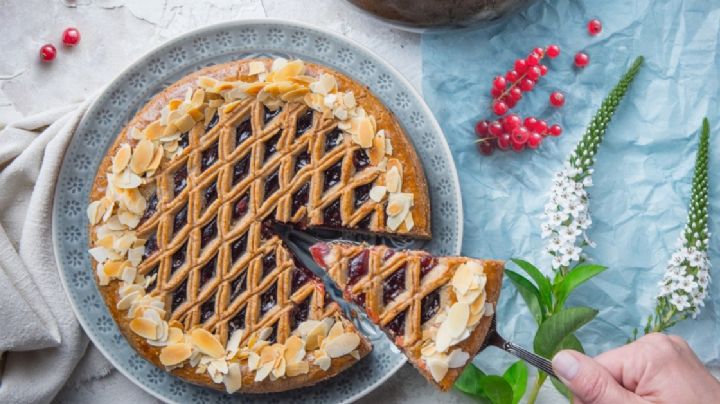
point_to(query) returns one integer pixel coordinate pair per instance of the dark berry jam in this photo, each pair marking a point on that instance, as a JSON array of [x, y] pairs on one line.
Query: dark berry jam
[[396, 326], [178, 259], [429, 306], [300, 276], [207, 309], [358, 267], [268, 263], [300, 313], [364, 224], [179, 295], [210, 194], [333, 139], [394, 285], [331, 214], [304, 123], [241, 207], [238, 247], [427, 263], [150, 274], [272, 183], [209, 157], [213, 121], [180, 180], [271, 146], [300, 197], [360, 159], [150, 207], [359, 300], [180, 219], [184, 140], [238, 286], [243, 132], [238, 321], [208, 232], [269, 115], [207, 272], [362, 194], [332, 175], [388, 253], [150, 245], [302, 160], [266, 229], [240, 169], [268, 299]]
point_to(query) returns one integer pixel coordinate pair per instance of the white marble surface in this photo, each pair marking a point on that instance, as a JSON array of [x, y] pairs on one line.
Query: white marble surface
[[117, 32]]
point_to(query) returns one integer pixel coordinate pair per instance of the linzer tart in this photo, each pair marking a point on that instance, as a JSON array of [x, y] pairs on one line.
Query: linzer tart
[[183, 256], [436, 309]]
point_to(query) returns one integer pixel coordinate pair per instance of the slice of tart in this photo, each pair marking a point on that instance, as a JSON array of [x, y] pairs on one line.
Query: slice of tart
[[436, 309]]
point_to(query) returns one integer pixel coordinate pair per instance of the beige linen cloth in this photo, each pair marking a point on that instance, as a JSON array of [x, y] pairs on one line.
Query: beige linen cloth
[[43, 344]]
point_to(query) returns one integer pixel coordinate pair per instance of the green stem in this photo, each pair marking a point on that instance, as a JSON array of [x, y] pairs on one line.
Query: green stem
[[536, 388]]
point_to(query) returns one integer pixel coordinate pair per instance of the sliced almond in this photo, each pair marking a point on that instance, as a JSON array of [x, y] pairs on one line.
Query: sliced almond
[[409, 221], [127, 301], [144, 327], [253, 360], [93, 212], [377, 152], [349, 99], [207, 343], [256, 67], [233, 343], [174, 354], [365, 133], [457, 319], [342, 345], [154, 131], [122, 158], [393, 179], [263, 371], [291, 69], [336, 330], [297, 368], [325, 84], [233, 378], [377, 193], [175, 335], [294, 349], [114, 268], [438, 367], [457, 358], [157, 158], [315, 337], [462, 279], [323, 362], [184, 123], [398, 206], [279, 367]]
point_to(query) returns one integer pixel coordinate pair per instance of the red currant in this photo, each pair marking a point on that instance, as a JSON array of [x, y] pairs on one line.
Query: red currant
[[553, 51], [495, 92], [48, 53], [499, 107], [540, 126], [481, 128], [71, 37], [557, 99], [495, 128], [520, 134], [511, 75], [527, 85], [515, 94], [516, 146], [503, 141], [532, 60], [510, 122], [534, 140], [499, 82], [520, 66], [485, 147], [534, 73], [543, 70], [509, 102], [581, 59], [555, 130], [594, 27], [530, 122], [539, 52]]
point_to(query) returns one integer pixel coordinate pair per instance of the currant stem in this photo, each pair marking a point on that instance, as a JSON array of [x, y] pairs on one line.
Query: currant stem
[[517, 82]]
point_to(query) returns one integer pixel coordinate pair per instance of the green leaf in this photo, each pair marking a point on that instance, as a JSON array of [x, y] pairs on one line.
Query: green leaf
[[496, 389], [560, 387], [529, 293], [551, 333], [569, 342], [469, 380], [516, 376], [542, 282], [576, 277]]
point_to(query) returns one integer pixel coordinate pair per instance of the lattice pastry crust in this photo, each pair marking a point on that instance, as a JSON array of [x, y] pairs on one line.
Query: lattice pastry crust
[[436, 309], [178, 209]]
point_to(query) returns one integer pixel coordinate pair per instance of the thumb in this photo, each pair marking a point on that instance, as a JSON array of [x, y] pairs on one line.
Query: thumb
[[589, 382]]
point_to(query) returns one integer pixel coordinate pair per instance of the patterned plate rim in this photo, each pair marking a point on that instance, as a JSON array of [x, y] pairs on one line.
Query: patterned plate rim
[[397, 76]]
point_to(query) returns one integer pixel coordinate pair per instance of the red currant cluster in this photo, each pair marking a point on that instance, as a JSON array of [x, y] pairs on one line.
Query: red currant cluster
[[70, 37], [512, 132], [508, 90]]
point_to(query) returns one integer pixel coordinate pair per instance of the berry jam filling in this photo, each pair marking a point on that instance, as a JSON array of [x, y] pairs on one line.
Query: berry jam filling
[[300, 313], [365, 222], [302, 160], [207, 309], [207, 272], [304, 123], [360, 159], [268, 300], [272, 338], [241, 207], [268, 263], [180, 219], [209, 157], [180, 180], [331, 214], [396, 326], [178, 259], [358, 267], [359, 300], [333, 174], [214, 121], [269, 115], [210, 194], [150, 274], [237, 322], [240, 169], [238, 247], [362, 194], [179, 295], [150, 208], [300, 197], [429, 306], [150, 245], [333, 139], [266, 229], [394, 285], [208, 232], [300, 276], [238, 286], [388, 253], [184, 140], [427, 263], [243, 132], [272, 183], [271, 146]]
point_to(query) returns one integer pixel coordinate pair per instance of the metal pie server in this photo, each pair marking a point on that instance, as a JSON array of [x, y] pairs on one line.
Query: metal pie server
[[299, 241]]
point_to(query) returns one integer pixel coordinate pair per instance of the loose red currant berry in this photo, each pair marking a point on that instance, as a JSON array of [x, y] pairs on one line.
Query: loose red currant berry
[[520, 66], [594, 27], [496, 92], [540, 127], [532, 60], [499, 107], [557, 99], [481, 128], [555, 130], [534, 140], [495, 128], [48, 53], [543, 70], [527, 84], [503, 141], [539, 52], [534, 73], [485, 147], [520, 134], [530, 122], [511, 75], [71, 37], [581, 59], [499, 82], [515, 94], [553, 51], [517, 147], [510, 122]]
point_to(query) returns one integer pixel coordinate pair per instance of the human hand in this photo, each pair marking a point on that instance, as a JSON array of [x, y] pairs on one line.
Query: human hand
[[656, 368]]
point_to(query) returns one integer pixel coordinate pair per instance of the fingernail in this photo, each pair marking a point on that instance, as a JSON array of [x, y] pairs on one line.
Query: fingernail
[[565, 365]]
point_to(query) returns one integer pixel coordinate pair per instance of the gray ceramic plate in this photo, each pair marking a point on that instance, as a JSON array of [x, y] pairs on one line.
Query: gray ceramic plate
[[163, 66]]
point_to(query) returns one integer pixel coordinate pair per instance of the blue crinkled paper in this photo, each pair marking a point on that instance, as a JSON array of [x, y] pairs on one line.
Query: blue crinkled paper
[[644, 167]]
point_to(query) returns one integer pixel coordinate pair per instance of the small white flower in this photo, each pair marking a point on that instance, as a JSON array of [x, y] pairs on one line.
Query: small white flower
[[679, 301]]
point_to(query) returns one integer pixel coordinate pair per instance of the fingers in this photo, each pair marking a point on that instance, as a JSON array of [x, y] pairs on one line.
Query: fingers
[[589, 381]]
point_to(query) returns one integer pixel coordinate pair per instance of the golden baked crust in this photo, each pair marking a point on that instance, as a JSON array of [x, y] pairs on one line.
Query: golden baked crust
[[413, 181]]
